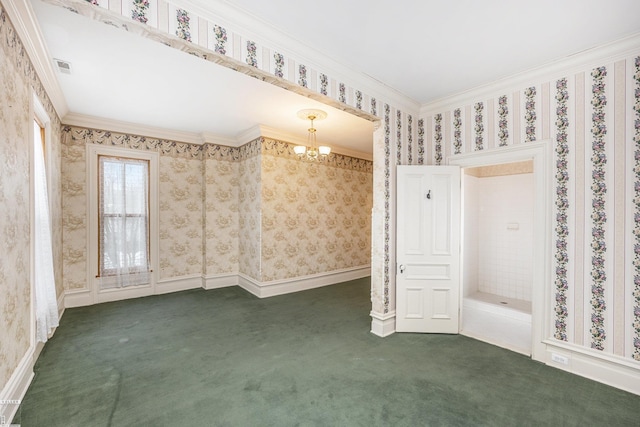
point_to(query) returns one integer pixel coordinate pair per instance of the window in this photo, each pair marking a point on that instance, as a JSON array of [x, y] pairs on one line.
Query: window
[[123, 221]]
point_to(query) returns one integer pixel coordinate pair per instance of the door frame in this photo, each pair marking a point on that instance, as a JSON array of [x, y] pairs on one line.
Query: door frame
[[541, 293]]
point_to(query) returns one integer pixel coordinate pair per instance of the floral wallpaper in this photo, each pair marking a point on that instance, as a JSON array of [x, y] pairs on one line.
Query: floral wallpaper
[[180, 218], [279, 64], [316, 217], [18, 81], [503, 115], [139, 11], [183, 31], [15, 295], [438, 139], [225, 210], [220, 35], [410, 140], [249, 206], [421, 141], [636, 213], [222, 211], [74, 202], [324, 82], [530, 113], [302, 72], [585, 122], [252, 53], [180, 199], [398, 137], [562, 208], [457, 131], [598, 215], [479, 127], [387, 210]]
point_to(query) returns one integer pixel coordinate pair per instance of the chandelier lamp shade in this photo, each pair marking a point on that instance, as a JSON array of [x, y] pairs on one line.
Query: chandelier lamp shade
[[312, 151]]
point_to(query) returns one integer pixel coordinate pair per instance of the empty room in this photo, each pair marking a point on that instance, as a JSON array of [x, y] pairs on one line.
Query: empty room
[[243, 213]]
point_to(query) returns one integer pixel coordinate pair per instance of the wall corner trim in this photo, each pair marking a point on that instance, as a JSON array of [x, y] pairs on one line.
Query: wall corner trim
[[383, 324]]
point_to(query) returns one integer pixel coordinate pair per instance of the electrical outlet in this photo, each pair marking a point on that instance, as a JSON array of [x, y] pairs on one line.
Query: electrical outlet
[[564, 360]]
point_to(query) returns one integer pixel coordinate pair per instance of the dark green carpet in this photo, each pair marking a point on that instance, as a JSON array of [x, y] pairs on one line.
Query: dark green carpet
[[225, 358]]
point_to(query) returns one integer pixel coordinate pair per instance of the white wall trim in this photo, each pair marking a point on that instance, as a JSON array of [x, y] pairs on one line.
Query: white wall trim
[[176, 284], [542, 284], [383, 325], [93, 122], [23, 18], [303, 283], [217, 281], [249, 284], [608, 369], [77, 298], [609, 52], [212, 138], [17, 386]]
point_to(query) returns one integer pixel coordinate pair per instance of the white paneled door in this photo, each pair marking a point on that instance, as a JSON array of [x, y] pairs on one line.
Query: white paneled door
[[428, 249]]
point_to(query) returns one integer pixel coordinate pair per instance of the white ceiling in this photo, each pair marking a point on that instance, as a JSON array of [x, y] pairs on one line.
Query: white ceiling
[[425, 49], [429, 49], [120, 76]]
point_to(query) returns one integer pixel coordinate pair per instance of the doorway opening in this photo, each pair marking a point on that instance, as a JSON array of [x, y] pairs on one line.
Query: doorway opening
[[497, 254], [539, 153]]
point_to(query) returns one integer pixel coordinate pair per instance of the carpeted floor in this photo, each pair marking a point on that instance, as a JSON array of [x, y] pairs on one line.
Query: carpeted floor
[[225, 358]]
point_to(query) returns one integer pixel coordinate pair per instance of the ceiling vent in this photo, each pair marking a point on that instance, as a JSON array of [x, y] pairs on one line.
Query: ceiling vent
[[63, 66]]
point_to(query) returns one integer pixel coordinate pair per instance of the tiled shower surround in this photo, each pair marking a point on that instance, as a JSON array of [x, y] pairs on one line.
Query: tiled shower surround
[[504, 247]]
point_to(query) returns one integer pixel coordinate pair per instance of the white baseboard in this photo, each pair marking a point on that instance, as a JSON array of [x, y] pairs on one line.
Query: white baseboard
[[297, 284], [220, 281], [176, 284], [615, 371], [383, 325], [16, 388], [77, 298], [249, 284], [83, 297]]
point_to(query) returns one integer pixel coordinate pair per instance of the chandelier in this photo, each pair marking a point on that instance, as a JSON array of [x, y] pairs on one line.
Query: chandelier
[[312, 151]]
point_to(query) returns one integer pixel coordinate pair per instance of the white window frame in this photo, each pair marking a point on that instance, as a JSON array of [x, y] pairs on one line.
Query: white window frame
[[93, 152]]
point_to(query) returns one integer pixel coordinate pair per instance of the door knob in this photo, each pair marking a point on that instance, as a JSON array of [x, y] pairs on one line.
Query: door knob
[[401, 268]]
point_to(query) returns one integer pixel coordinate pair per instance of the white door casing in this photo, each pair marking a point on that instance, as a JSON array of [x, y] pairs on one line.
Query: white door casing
[[428, 249], [542, 292]]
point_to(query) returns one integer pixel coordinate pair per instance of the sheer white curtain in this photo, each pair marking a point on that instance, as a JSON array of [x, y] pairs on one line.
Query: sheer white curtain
[[124, 222], [44, 281]]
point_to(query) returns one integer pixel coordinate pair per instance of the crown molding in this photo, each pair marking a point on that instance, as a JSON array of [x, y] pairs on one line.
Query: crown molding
[[24, 21], [92, 122], [244, 23], [259, 131], [217, 139], [560, 68]]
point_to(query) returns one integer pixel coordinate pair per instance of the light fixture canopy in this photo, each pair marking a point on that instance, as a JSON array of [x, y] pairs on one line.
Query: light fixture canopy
[[312, 151]]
